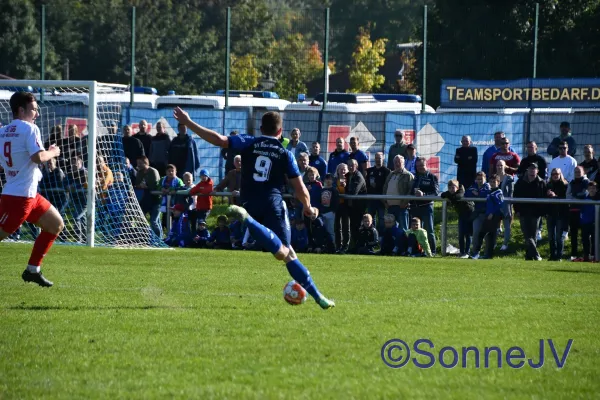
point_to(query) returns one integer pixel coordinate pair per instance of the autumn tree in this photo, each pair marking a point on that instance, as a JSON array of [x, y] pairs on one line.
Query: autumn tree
[[367, 58], [244, 74]]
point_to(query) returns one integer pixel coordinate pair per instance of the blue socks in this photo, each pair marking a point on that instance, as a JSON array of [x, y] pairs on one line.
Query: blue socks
[[263, 236], [301, 275]]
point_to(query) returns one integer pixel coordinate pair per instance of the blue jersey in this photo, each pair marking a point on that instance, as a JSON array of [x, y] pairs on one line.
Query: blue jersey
[[265, 163]]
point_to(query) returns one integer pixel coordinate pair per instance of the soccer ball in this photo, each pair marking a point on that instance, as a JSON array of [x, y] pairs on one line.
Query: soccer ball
[[293, 293]]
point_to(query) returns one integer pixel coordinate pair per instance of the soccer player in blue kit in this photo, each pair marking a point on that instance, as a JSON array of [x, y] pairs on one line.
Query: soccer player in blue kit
[[265, 164]]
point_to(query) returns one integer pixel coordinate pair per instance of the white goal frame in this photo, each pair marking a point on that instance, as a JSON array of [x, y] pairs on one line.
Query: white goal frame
[[92, 87]]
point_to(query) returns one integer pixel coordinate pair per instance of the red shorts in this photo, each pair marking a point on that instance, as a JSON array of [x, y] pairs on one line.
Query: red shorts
[[15, 210]]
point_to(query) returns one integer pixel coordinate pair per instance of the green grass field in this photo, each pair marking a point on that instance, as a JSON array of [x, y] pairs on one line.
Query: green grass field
[[213, 324]]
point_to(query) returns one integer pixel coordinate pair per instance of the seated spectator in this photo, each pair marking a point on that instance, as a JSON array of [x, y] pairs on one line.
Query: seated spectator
[[300, 236], [390, 236], [232, 181], [220, 238], [249, 243], [328, 205], [202, 235], [368, 238], [464, 209], [577, 190], [237, 234], [180, 234], [493, 216], [557, 214], [589, 164], [588, 218], [204, 203], [320, 241], [480, 190], [414, 241]]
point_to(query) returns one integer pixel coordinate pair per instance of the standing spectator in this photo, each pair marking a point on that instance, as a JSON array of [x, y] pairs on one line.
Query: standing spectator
[[360, 156], [367, 237], [410, 163], [493, 149], [295, 145], [148, 180], [376, 178], [229, 155], [342, 215], [52, 185], [399, 183], [328, 206], [188, 202], [556, 219], [338, 156], [493, 216], [479, 190], [132, 172], [589, 163], [577, 190], [232, 181], [532, 157], [466, 161], [75, 144], [565, 162], [144, 137], [507, 185], [159, 149], [57, 138], [397, 149], [356, 186], [132, 146], [464, 209], [588, 223], [315, 159], [313, 185], [302, 161], [511, 159], [183, 153], [169, 184], [75, 183], [531, 186], [204, 202], [565, 136], [425, 185]]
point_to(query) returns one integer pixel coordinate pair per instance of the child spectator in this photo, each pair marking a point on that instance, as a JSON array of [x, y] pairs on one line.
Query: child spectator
[[480, 189], [202, 235], [464, 209], [180, 234], [203, 203], [300, 236], [328, 205], [221, 236], [237, 234], [414, 242], [390, 236], [169, 183], [588, 218], [313, 185], [507, 185], [368, 237], [320, 240], [189, 202], [493, 215], [557, 214]]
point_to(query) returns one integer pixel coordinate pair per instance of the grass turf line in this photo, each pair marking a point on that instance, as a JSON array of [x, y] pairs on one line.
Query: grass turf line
[[213, 324]]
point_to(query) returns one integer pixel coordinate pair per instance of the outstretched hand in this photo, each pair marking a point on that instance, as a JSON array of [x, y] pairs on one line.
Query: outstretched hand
[[181, 115]]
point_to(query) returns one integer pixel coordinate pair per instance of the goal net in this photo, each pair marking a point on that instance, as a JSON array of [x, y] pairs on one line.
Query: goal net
[[90, 183]]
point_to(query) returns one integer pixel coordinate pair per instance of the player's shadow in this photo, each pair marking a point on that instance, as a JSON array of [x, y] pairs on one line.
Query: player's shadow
[[95, 308], [576, 271]]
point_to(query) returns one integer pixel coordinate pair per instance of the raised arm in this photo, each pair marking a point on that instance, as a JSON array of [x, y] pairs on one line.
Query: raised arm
[[209, 135]]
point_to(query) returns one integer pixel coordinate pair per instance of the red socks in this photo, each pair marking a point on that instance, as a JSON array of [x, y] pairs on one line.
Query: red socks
[[40, 248]]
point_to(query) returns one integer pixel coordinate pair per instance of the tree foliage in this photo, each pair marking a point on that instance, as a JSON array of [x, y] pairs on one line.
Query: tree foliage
[[244, 74], [367, 58]]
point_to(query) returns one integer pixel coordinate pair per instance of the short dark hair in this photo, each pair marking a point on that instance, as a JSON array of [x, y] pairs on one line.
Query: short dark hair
[[564, 143], [271, 123], [222, 218], [171, 166], [494, 177], [499, 133], [415, 219], [143, 158], [329, 176], [20, 99]]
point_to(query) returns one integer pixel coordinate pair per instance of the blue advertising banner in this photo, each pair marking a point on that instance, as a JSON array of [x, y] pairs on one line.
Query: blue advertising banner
[[521, 93]]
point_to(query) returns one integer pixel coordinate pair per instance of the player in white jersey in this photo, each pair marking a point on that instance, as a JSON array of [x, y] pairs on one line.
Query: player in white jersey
[[21, 151]]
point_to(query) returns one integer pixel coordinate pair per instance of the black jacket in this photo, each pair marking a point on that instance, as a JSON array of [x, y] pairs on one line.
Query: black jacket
[[560, 189], [375, 179], [527, 161], [367, 237], [463, 208], [466, 160], [356, 185], [428, 184], [535, 189]]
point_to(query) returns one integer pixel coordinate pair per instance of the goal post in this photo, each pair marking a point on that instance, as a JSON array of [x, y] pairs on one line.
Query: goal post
[[100, 208]]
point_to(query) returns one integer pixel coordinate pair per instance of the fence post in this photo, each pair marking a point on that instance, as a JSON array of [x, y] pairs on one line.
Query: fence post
[[424, 96], [132, 88], [326, 60], [597, 237], [168, 214], [227, 57], [535, 39], [43, 50], [444, 228]]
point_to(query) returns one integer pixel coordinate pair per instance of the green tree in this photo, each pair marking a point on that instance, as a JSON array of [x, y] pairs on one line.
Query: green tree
[[244, 75], [367, 59]]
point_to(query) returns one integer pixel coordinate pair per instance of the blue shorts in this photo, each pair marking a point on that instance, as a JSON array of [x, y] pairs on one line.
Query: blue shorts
[[271, 212]]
